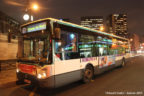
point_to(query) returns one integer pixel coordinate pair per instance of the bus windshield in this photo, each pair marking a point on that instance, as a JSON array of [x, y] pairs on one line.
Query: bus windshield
[[36, 49]]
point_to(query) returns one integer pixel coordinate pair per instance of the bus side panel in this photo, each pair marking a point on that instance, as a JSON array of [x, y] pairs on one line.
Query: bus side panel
[[106, 61], [67, 71], [119, 60], [90, 60]]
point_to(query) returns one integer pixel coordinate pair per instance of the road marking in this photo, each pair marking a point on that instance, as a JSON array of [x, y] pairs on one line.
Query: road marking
[[33, 92]]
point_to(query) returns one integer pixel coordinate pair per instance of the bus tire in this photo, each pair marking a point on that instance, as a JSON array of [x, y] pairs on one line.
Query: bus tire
[[88, 74]]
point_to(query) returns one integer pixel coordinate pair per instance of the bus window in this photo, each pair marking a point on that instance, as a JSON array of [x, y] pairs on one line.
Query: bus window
[[37, 49], [103, 50], [70, 42], [67, 47], [102, 45], [117, 48], [86, 46]]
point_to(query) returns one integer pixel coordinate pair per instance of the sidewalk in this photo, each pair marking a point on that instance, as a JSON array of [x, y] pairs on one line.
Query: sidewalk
[[7, 76]]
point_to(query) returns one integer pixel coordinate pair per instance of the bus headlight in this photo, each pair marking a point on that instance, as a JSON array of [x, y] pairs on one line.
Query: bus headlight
[[17, 70], [44, 74], [41, 75]]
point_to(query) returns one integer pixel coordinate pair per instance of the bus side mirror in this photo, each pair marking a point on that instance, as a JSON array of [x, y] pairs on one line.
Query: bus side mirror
[[57, 33]]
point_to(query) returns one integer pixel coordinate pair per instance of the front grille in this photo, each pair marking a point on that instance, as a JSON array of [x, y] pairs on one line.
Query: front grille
[[30, 69]]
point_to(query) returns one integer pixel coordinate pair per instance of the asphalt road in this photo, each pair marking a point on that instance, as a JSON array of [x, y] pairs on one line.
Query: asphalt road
[[127, 81]]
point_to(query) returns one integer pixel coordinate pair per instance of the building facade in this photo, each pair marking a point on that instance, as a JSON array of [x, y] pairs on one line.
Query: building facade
[[94, 22], [8, 24], [117, 24], [134, 42]]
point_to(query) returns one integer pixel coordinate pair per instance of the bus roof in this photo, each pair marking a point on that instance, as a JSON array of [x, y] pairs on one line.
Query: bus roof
[[74, 25]]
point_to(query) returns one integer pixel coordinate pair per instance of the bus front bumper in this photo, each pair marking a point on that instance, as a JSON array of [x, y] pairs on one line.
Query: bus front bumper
[[48, 82]]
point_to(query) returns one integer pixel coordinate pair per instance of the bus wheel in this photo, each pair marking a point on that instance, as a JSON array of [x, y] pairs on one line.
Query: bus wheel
[[88, 74]]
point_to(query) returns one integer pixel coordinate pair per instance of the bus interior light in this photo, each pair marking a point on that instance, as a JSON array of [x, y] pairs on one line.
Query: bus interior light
[[59, 43], [101, 50], [72, 36]]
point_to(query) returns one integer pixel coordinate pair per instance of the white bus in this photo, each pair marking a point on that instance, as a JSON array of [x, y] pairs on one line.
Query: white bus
[[53, 53]]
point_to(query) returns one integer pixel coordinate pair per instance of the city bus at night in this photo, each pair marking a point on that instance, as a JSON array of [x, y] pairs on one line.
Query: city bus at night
[[53, 53]]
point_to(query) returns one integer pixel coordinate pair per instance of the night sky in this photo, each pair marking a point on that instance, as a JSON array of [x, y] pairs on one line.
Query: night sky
[[76, 8]]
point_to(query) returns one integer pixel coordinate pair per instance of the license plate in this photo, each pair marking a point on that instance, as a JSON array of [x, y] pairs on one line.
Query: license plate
[[27, 81]]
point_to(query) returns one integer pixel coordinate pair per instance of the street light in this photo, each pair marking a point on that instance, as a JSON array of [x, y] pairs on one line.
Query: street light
[[28, 16], [131, 39], [35, 7], [101, 28]]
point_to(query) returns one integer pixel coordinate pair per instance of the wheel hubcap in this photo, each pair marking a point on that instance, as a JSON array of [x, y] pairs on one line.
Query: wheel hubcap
[[88, 74]]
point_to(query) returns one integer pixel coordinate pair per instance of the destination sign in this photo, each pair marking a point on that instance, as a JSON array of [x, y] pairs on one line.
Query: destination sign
[[34, 27]]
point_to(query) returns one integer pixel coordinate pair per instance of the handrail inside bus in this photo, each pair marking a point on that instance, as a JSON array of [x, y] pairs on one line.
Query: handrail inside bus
[[74, 25]]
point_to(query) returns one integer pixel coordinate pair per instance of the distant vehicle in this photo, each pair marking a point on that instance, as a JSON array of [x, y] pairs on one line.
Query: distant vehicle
[[53, 53]]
